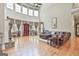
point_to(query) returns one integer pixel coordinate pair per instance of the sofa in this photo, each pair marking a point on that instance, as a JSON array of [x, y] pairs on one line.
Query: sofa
[[59, 38], [45, 35]]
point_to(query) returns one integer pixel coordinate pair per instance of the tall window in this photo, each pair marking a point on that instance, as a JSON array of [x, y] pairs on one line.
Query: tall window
[[35, 13], [24, 10], [17, 8], [10, 6], [30, 12]]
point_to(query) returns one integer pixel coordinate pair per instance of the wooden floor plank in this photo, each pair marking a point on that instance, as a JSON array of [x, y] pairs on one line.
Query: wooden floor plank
[[31, 46]]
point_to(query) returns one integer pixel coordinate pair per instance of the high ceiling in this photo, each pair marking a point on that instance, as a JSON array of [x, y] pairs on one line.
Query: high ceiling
[[32, 5], [35, 4]]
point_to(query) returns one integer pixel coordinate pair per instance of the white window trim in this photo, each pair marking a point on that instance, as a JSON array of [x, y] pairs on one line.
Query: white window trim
[[35, 14], [26, 10], [19, 11], [11, 7], [32, 12]]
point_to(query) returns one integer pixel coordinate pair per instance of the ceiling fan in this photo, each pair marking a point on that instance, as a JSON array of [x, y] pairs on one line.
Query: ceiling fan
[[37, 4]]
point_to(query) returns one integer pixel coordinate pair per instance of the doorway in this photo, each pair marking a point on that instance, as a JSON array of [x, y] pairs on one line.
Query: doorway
[[26, 30], [76, 24], [77, 29]]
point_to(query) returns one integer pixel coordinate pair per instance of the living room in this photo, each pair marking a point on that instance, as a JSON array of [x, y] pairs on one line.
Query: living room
[[49, 18]]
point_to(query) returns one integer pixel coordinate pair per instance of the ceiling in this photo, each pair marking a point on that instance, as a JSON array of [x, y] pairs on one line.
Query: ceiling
[[32, 5]]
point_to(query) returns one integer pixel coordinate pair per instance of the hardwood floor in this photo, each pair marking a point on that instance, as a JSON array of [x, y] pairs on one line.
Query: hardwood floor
[[31, 46]]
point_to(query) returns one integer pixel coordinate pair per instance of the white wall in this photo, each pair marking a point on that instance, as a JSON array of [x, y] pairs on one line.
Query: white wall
[[63, 13]]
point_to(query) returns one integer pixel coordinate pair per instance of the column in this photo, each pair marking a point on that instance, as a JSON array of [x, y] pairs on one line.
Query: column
[[2, 19]]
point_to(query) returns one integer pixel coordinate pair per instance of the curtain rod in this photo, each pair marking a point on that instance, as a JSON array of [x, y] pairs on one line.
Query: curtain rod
[[20, 20]]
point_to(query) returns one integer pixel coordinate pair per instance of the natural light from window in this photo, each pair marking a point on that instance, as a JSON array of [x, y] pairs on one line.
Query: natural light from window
[[36, 13], [10, 6], [30, 12], [24, 10], [17, 8]]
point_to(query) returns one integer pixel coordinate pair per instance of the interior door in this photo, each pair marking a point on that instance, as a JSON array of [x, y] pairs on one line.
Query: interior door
[[26, 30], [77, 29]]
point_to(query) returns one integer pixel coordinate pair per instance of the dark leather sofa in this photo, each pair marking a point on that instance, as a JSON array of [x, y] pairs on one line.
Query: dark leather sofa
[[59, 38], [45, 35]]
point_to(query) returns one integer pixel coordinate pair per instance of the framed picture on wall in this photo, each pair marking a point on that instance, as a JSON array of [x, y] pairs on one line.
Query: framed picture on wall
[[54, 22]]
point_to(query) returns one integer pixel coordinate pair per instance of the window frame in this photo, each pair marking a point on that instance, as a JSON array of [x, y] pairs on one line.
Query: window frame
[[30, 13], [36, 13], [24, 11], [10, 6], [18, 9]]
